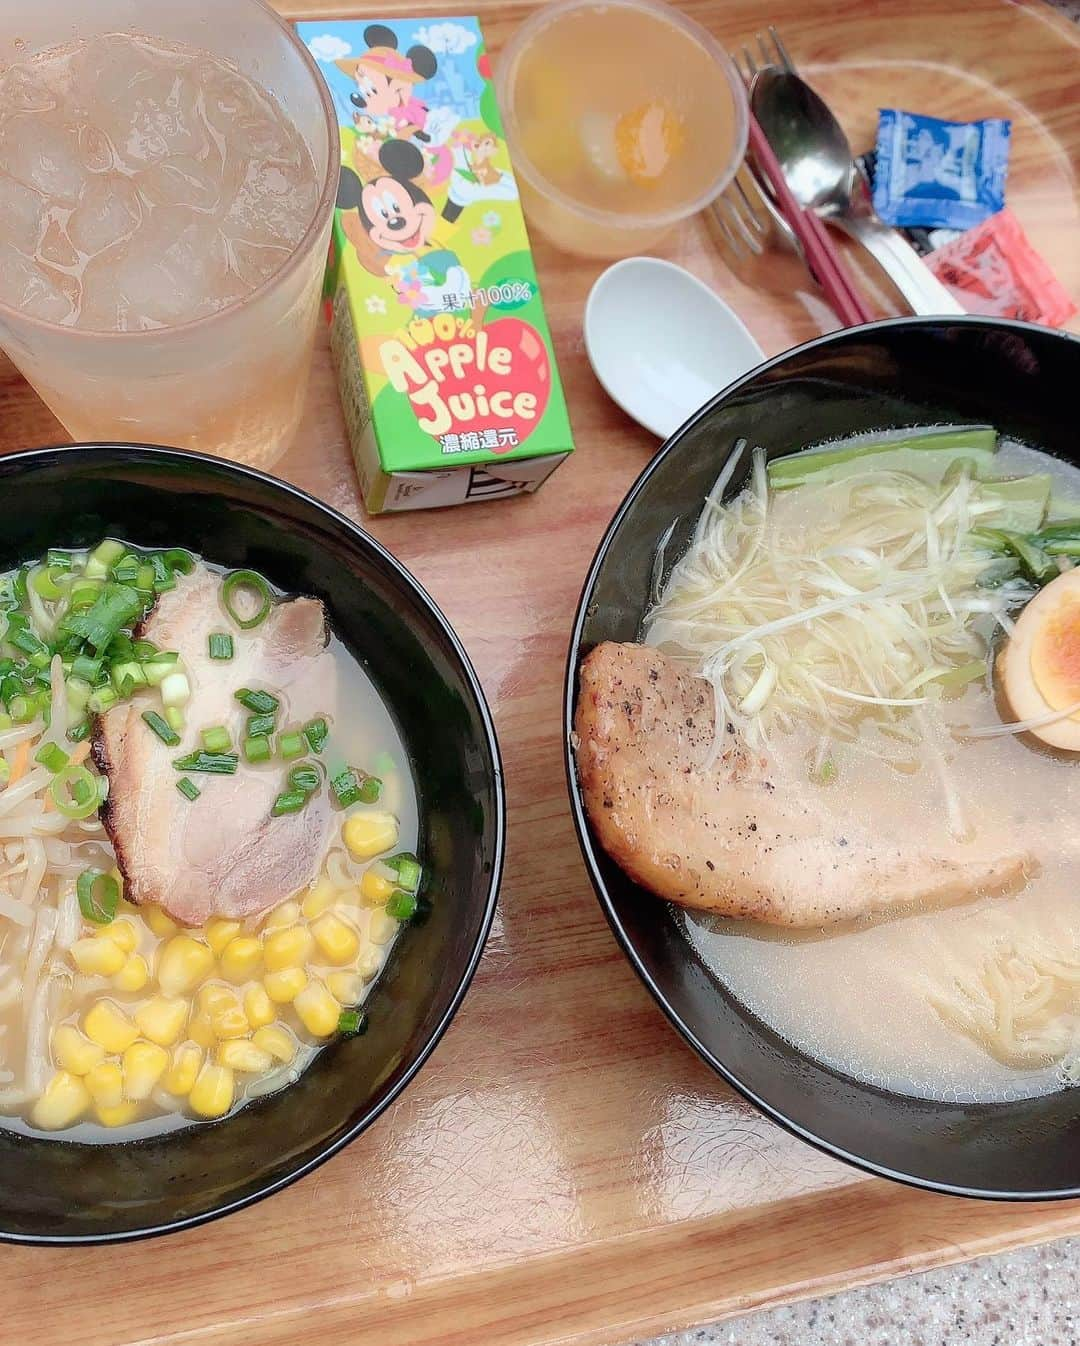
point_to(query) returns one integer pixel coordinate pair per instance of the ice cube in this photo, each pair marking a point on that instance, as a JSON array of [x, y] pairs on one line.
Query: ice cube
[[109, 210], [273, 205], [56, 247], [42, 152], [23, 90], [182, 181], [173, 269], [254, 263], [35, 289], [22, 215], [95, 149]]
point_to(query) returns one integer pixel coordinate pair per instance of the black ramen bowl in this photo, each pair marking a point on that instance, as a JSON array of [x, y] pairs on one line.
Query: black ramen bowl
[[909, 371], [53, 1191]]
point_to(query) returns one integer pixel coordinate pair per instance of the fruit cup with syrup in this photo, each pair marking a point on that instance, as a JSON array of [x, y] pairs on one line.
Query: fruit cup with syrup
[[622, 118]]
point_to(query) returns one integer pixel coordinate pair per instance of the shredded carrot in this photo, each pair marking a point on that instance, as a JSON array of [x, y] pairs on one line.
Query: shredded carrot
[[22, 758]]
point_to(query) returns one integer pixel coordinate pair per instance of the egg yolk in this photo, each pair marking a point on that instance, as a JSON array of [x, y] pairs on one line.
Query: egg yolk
[[1055, 656]]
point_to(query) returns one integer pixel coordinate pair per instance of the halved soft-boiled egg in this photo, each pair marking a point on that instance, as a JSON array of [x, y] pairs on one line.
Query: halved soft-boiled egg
[[1039, 668]]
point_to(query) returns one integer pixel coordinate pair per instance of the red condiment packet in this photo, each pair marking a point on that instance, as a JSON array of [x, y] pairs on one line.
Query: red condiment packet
[[993, 269]]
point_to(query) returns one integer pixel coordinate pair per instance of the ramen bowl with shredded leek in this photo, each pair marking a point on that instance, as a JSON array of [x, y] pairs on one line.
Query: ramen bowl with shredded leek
[[824, 700], [249, 834]]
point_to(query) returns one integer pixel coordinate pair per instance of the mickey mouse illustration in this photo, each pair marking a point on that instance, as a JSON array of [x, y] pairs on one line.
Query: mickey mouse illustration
[[392, 216], [386, 79]]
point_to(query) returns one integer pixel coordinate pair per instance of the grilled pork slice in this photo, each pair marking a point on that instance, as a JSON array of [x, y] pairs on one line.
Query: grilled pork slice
[[727, 839], [222, 854]]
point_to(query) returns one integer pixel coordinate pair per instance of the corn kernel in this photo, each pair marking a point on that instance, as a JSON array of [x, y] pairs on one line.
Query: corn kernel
[[284, 986], [120, 932], [318, 1010], [74, 1053], [375, 891], [159, 922], [382, 927], [144, 1064], [96, 956], [369, 834], [277, 1041], [258, 1007], [345, 987], [239, 1054], [120, 1114], [219, 931], [110, 1027], [287, 914], [338, 941], [63, 1102], [184, 963], [230, 1022], [321, 898], [162, 1019], [181, 1076], [287, 948], [241, 957], [212, 997], [369, 961], [134, 975], [106, 1084], [212, 1093], [201, 1031]]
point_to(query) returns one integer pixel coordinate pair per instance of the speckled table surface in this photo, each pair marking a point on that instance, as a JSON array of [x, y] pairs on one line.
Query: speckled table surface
[[1026, 1298]]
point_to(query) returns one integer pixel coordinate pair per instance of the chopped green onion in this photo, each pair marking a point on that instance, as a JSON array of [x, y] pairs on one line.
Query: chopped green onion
[[260, 725], [292, 801], [101, 700], [43, 582], [352, 1022], [83, 666], [52, 757], [84, 594], [220, 645], [74, 791], [143, 650], [239, 582], [158, 668], [257, 748], [316, 733], [216, 739], [175, 689], [345, 787], [5, 770], [59, 560], [20, 583], [160, 727], [104, 556], [22, 709], [291, 746], [402, 906], [188, 788], [127, 676], [370, 790], [78, 693], [261, 703], [210, 763], [79, 731], [180, 561], [407, 869], [126, 570], [175, 717], [162, 571], [30, 644], [305, 778], [115, 607], [99, 895]]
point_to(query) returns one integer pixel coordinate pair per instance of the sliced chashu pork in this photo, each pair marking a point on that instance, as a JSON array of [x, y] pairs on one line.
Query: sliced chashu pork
[[222, 854], [727, 839]]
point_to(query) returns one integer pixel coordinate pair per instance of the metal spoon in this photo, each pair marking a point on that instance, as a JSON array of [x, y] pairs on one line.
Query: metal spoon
[[817, 161]]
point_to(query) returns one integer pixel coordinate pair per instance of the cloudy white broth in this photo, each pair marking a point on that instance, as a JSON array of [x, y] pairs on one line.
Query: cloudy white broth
[[208, 836]]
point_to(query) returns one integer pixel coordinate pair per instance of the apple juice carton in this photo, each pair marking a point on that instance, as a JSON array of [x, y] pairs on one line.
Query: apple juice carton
[[442, 350]]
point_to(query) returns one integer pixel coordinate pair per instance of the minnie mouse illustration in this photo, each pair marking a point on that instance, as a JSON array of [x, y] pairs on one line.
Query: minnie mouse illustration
[[392, 216], [385, 100]]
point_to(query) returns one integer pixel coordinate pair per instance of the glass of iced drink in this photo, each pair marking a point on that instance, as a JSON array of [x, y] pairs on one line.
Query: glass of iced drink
[[167, 182]]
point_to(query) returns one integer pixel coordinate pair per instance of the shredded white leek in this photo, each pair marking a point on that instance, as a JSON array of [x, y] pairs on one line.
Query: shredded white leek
[[830, 602]]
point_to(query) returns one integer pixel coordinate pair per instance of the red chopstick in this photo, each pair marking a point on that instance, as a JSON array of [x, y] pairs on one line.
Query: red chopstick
[[821, 253]]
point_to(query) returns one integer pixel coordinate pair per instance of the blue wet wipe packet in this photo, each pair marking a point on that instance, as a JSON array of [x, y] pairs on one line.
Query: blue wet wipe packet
[[939, 174]]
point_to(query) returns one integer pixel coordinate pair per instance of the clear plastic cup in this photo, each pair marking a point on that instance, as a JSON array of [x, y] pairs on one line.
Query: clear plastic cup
[[623, 117], [232, 383]]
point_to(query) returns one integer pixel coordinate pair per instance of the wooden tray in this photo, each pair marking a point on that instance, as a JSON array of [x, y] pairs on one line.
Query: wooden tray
[[564, 1169]]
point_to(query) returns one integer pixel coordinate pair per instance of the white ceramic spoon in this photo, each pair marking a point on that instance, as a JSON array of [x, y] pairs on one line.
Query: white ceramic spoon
[[661, 343]]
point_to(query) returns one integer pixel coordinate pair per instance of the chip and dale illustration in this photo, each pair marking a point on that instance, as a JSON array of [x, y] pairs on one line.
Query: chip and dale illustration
[[403, 152]]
